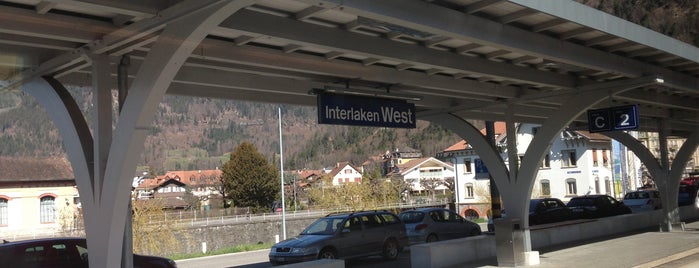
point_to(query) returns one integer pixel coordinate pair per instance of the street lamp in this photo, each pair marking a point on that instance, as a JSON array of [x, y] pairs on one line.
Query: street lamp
[[281, 172]]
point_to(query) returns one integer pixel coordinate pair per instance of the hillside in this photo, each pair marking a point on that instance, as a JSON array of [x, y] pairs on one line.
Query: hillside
[[196, 133]]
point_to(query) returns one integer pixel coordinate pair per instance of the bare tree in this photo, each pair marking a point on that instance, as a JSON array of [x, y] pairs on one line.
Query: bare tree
[[153, 233], [430, 184]]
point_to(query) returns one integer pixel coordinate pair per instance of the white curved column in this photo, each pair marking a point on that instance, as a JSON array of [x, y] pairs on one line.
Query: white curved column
[[673, 181], [70, 122], [491, 158], [163, 61]]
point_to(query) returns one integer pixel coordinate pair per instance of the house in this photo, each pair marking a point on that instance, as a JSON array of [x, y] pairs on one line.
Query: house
[[424, 175], [37, 196], [344, 172], [181, 189], [578, 163], [306, 177]]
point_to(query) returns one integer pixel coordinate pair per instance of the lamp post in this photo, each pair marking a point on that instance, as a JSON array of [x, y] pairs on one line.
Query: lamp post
[[281, 172]]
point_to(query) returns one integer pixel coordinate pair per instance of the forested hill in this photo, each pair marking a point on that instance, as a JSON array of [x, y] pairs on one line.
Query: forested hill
[[196, 133]]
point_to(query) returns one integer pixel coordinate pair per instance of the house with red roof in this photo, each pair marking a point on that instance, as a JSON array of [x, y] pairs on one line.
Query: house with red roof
[[578, 163], [307, 177], [181, 189]]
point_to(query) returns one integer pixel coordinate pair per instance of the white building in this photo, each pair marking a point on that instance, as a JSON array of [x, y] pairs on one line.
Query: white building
[[578, 163], [420, 173], [344, 172]]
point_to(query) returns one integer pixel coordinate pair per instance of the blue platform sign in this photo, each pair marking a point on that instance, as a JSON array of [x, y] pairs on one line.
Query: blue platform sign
[[338, 109], [481, 169], [613, 118]]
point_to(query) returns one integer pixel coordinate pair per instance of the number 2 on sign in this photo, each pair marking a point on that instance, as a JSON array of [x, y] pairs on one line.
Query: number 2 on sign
[[624, 120]]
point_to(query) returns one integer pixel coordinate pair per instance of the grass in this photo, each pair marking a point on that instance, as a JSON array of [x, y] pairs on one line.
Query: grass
[[479, 220], [239, 248]]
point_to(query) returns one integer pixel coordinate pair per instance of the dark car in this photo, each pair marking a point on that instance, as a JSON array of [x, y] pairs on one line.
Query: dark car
[[686, 194], [427, 225], [344, 236], [596, 206], [548, 210], [70, 252]]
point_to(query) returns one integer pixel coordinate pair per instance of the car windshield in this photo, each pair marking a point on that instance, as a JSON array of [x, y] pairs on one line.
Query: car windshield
[[637, 195], [577, 202], [324, 226], [412, 216]]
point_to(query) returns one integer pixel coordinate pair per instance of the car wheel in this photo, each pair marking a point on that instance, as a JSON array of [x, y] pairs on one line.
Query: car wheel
[[390, 249], [432, 238], [327, 254]]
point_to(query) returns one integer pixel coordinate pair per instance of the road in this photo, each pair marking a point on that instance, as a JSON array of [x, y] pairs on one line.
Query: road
[[258, 259]]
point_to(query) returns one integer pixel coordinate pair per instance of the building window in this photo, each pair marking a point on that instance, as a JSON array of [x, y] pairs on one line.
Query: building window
[[597, 185], [467, 166], [3, 212], [469, 190], [605, 158], [47, 206], [571, 187], [594, 158], [546, 162], [608, 185], [545, 188], [568, 158]]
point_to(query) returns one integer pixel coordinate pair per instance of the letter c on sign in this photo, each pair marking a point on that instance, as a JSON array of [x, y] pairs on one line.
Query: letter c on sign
[[599, 121]]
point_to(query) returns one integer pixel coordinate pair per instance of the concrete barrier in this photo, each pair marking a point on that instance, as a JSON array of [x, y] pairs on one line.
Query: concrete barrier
[[452, 252], [456, 252]]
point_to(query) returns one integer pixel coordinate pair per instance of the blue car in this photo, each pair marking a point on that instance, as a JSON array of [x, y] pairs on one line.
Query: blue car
[[344, 236]]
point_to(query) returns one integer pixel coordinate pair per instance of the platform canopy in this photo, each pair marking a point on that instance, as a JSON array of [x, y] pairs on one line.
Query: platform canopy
[[470, 58]]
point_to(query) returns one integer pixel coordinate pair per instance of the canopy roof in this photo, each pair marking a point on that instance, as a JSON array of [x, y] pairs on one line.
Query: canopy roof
[[467, 57]]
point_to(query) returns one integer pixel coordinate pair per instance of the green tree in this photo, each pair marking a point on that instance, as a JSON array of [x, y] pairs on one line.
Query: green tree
[[249, 179]]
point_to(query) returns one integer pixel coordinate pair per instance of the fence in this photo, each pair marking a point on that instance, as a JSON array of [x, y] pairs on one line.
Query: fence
[[198, 218]]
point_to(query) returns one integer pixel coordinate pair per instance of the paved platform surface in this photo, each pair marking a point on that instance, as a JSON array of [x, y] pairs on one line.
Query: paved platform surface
[[635, 250]]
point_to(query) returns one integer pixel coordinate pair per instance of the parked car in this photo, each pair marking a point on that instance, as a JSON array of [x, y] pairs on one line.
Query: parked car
[[686, 194], [596, 206], [427, 225], [67, 252], [344, 236], [548, 210], [643, 200]]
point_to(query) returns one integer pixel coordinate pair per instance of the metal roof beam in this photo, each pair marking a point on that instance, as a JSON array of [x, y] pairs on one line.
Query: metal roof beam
[[342, 41], [426, 17]]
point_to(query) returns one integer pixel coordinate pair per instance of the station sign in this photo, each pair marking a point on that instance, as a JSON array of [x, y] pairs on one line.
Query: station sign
[[613, 119], [341, 109]]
